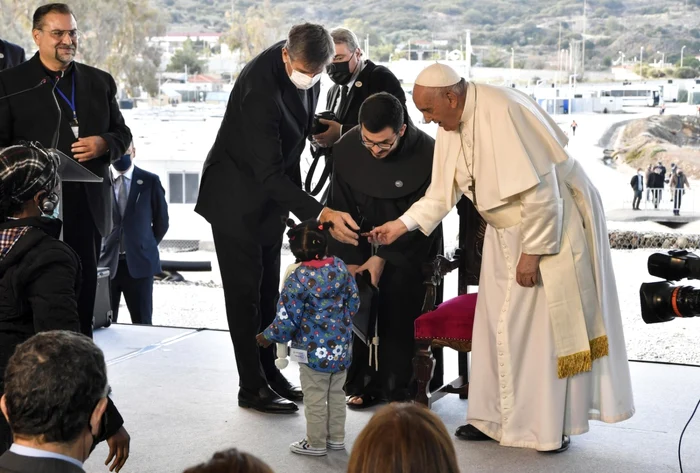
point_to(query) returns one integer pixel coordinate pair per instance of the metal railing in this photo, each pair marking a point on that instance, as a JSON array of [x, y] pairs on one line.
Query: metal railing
[[663, 199]]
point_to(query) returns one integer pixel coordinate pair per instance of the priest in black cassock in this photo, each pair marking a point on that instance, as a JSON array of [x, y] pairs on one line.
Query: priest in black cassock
[[383, 166]]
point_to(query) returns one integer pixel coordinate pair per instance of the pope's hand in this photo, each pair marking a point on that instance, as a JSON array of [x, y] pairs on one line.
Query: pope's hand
[[526, 273], [388, 233]]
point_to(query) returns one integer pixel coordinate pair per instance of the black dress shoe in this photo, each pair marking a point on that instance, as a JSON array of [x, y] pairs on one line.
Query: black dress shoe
[[469, 432], [565, 442], [286, 389], [266, 400]]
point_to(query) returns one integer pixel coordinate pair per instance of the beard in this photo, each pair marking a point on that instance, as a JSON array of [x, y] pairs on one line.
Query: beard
[[65, 54]]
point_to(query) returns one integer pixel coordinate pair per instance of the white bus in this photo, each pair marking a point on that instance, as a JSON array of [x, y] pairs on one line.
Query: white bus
[[634, 95]]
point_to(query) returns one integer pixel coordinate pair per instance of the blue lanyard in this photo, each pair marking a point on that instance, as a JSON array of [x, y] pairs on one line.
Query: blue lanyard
[[71, 102]]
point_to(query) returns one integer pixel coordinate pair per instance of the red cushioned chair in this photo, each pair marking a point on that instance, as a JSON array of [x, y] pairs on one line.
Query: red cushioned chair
[[450, 324]]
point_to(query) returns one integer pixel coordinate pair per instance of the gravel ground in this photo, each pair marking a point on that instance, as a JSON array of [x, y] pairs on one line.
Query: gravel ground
[[199, 302]]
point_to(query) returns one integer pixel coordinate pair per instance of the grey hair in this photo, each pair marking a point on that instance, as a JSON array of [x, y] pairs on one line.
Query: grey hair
[[459, 89], [346, 37], [311, 44]]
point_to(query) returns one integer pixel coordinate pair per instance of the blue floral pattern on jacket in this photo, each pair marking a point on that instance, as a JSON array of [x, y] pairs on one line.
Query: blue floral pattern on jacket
[[315, 311]]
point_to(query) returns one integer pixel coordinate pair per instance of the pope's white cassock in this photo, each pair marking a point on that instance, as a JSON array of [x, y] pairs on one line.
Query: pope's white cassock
[[547, 359]]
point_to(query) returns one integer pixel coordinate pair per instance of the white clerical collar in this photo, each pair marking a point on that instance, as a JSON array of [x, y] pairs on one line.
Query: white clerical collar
[[37, 453], [128, 174], [469, 103]]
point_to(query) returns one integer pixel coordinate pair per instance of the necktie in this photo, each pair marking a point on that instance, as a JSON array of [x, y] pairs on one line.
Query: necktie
[[121, 203], [122, 195], [342, 102]]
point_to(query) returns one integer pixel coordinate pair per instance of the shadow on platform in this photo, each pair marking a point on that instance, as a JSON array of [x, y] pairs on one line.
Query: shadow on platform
[[663, 217], [176, 389]]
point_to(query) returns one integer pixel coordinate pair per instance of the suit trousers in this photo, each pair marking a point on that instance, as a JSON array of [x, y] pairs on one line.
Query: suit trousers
[[138, 293], [637, 199], [324, 405], [81, 234], [250, 273]]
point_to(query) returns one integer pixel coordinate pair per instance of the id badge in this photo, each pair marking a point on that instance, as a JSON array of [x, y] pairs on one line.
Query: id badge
[[300, 356], [74, 127]]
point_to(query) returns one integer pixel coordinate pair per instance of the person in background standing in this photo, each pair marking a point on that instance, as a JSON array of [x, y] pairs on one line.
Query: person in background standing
[[10, 55], [140, 217], [573, 127], [637, 184], [679, 182]]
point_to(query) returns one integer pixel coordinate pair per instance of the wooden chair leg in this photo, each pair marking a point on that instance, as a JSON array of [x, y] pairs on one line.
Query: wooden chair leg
[[463, 367], [423, 367]]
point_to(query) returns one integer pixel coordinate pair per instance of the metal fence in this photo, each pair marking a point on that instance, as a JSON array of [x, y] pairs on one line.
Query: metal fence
[[664, 199]]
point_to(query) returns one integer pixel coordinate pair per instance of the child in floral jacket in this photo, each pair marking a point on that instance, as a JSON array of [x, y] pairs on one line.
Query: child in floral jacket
[[315, 311]]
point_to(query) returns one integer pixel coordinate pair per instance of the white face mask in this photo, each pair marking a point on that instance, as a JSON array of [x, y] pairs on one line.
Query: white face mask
[[302, 81]]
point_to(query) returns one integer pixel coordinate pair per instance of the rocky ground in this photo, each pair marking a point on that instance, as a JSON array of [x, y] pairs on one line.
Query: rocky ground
[[665, 138]]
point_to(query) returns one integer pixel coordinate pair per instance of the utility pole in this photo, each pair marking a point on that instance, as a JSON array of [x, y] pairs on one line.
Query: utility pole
[[367, 46], [583, 40], [683, 48], [641, 62], [559, 50], [468, 54]]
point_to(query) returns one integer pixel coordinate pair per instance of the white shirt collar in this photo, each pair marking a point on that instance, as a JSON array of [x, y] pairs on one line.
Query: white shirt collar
[[358, 69], [37, 453], [128, 174]]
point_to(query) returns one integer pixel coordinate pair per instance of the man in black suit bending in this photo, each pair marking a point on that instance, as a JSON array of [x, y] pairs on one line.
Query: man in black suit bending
[[251, 181], [91, 130], [10, 55]]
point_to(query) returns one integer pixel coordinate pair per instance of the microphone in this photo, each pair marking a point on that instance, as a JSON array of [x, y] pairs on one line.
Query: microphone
[[56, 133], [42, 82]]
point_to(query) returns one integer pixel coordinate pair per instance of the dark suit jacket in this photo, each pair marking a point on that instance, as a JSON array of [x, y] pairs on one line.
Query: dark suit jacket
[[32, 117], [143, 226], [634, 182], [12, 463], [371, 80], [11, 55], [251, 176]]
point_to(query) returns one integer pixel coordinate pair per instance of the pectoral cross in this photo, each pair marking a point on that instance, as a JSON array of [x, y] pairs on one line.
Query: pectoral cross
[[472, 188]]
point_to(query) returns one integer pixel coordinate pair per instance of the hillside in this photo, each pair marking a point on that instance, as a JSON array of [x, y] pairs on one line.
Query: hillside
[[530, 27]]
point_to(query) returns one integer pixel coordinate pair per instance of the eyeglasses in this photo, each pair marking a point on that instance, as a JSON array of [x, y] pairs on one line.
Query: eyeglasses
[[59, 34], [383, 146]]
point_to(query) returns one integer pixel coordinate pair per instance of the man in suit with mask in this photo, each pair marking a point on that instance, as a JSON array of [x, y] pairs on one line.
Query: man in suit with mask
[[250, 182], [91, 130], [55, 399], [140, 216], [10, 55], [354, 80]]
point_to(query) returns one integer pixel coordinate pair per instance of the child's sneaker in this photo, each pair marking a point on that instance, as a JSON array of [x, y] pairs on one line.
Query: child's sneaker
[[331, 445], [303, 447]]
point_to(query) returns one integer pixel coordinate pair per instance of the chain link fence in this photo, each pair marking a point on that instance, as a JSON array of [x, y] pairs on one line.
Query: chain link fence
[[633, 240]]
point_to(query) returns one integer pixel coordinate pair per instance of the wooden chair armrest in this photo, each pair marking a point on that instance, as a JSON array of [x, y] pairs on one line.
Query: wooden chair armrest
[[434, 271]]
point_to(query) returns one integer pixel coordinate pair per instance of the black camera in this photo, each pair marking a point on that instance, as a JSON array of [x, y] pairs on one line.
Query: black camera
[[317, 127], [663, 301]]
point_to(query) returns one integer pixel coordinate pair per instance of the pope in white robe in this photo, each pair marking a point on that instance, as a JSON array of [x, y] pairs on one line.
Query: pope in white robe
[[548, 349]]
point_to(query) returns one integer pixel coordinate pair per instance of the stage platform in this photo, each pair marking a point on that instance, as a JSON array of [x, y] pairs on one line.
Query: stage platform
[[663, 217], [176, 389]]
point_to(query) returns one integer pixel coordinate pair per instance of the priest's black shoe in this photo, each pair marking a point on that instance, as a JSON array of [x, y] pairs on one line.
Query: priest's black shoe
[[286, 389], [565, 442], [469, 432], [266, 400]]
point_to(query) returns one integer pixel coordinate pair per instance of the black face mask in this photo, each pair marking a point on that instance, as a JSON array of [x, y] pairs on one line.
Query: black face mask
[[339, 72]]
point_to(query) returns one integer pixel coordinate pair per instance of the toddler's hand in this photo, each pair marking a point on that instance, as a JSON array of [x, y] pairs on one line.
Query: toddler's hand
[[262, 341]]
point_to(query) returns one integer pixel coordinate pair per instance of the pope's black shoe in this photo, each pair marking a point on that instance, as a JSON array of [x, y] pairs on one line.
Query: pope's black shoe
[[286, 389], [266, 400], [471, 433]]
